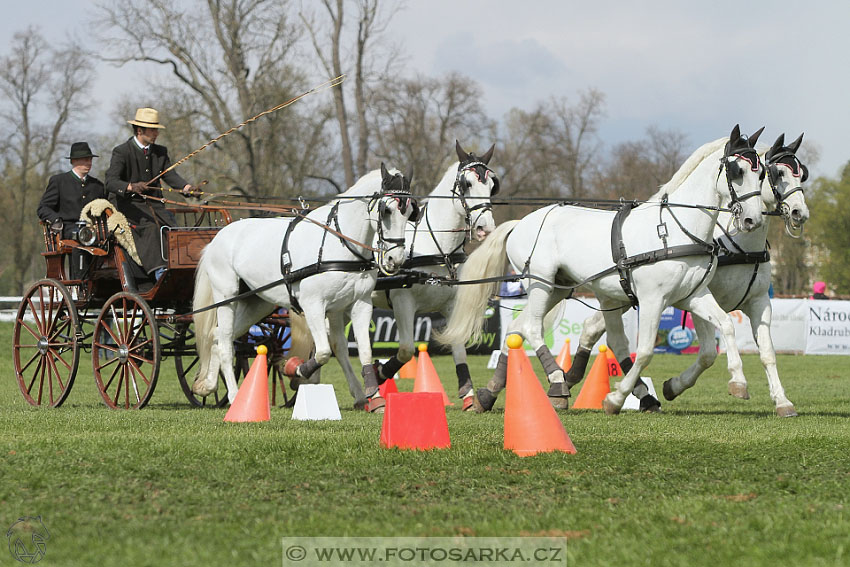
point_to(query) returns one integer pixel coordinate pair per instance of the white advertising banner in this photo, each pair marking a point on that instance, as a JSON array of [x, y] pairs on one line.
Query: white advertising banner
[[828, 327], [568, 324], [787, 327]]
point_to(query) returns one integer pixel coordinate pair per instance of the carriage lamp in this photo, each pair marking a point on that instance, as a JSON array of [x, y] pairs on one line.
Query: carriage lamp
[[86, 234]]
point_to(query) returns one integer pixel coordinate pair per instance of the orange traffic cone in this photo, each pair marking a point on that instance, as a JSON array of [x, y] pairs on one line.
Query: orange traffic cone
[[531, 424], [408, 371], [426, 376], [388, 387], [564, 359], [415, 421], [614, 370], [596, 385], [252, 399]]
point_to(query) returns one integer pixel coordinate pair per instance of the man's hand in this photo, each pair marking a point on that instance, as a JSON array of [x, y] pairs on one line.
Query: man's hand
[[138, 188], [192, 191]]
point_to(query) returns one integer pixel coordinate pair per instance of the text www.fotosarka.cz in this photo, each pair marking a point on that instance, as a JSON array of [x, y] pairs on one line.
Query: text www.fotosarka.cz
[[425, 551]]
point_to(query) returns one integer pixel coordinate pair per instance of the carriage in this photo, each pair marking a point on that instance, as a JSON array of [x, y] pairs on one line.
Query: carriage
[[127, 331]]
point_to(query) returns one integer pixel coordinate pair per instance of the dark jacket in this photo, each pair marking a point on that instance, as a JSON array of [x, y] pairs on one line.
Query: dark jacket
[[65, 197], [129, 165]]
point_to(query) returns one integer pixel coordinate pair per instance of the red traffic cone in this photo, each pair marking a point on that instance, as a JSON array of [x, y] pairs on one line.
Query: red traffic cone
[[564, 359], [596, 385], [427, 379], [614, 370], [531, 424], [415, 421], [388, 387], [252, 399], [408, 371]]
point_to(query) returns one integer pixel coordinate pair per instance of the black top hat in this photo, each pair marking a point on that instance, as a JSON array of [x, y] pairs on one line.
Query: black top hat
[[81, 150]]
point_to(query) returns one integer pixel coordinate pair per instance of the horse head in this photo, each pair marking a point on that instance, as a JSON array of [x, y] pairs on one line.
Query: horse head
[[395, 206], [744, 173], [785, 177], [475, 184]]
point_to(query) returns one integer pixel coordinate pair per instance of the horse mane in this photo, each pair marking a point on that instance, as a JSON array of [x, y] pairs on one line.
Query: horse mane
[[689, 167], [367, 184]]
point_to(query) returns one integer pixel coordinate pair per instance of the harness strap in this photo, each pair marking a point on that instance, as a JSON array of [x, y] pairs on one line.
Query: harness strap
[[618, 251]]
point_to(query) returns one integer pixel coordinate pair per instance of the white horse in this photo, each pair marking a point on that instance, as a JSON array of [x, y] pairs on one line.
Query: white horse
[[456, 210], [326, 267], [661, 250], [742, 281]]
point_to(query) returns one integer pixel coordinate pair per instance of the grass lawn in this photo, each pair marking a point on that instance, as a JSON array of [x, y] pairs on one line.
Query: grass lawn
[[712, 481]]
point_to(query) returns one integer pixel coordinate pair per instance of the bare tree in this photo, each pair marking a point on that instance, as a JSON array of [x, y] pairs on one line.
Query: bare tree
[[231, 59], [364, 57], [417, 121], [44, 92]]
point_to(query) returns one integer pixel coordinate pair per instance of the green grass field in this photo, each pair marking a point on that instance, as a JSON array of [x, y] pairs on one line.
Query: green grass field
[[712, 481]]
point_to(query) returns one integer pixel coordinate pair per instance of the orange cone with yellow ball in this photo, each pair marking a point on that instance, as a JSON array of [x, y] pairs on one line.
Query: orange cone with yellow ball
[[427, 379], [252, 399], [564, 360], [408, 371], [596, 385], [531, 424]]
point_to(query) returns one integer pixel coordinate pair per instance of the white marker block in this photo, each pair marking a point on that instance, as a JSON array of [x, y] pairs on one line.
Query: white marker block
[[316, 402], [631, 403]]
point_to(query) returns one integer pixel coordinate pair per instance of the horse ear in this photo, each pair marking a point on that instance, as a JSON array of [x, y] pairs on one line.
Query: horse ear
[[795, 145], [488, 155], [736, 133], [461, 155], [384, 173], [410, 177], [755, 136]]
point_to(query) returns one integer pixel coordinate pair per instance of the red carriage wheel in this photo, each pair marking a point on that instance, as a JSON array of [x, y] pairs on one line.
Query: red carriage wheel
[[46, 343], [126, 352]]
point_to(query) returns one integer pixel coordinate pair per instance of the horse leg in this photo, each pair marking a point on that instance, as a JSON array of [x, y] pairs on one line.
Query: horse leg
[[760, 313], [404, 310], [618, 342], [591, 331], [339, 345], [650, 317], [706, 307], [224, 336], [706, 357], [314, 315], [361, 317]]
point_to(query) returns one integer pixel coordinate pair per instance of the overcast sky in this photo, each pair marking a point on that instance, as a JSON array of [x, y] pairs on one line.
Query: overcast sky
[[695, 67]]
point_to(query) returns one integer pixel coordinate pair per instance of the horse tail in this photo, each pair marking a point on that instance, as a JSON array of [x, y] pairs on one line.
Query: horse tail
[[488, 260], [206, 321], [302, 339]]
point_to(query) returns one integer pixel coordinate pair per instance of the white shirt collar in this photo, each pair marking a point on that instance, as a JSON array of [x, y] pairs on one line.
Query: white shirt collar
[[141, 147], [77, 176]]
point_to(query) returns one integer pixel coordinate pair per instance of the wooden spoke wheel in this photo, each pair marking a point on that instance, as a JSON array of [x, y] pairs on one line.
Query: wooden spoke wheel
[[186, 363], [46, 343], [126, 352], [274, 332]]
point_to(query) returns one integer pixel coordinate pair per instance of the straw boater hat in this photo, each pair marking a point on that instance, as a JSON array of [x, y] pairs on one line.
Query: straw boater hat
[[146, 118]]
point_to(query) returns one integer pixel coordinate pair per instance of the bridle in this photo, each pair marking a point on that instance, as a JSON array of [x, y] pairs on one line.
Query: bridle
[[787, 158], [462, 185], [734, 171], [405, 200]]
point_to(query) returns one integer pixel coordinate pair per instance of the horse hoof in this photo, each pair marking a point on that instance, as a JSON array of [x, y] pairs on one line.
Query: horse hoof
[[610, 407], [739, 390], [649, 404], [559, 402], [558, 390], [376, 405], [361, 404], [291, 367], [667, 390], [468, 403], [200, 388], [483, 400], [786, 411]]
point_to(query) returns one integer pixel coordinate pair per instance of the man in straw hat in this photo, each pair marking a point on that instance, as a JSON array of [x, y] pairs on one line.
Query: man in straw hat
[[134, 164], [67, 193]]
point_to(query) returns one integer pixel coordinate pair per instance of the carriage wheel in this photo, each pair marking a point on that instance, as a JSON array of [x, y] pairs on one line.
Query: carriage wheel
[[125, 352], [274, 332], [46, 346], [186, 363]]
